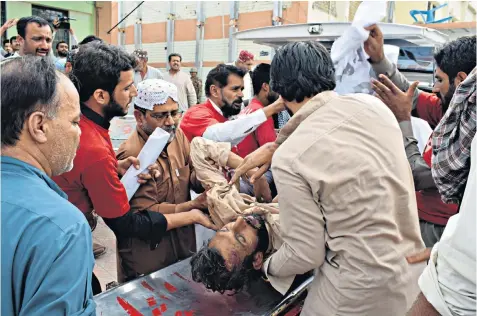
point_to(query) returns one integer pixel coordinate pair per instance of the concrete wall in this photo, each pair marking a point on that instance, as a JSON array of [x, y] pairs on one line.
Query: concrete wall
[[82, 11]]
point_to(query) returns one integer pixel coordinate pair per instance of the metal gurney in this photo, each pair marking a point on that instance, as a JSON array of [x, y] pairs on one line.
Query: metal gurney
[[171, 291]]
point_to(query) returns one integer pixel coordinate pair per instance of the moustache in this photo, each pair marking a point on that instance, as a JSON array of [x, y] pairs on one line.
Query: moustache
[[169, 129], [238, 101]]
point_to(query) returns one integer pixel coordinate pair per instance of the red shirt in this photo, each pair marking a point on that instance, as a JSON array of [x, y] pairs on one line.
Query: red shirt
[[429, 202], [94, 182], [429, 108], [265, 133], [198, 118]]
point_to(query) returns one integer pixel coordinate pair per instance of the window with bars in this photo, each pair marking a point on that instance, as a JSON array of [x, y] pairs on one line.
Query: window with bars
[[50, 14], [326, 6], [3, 17]]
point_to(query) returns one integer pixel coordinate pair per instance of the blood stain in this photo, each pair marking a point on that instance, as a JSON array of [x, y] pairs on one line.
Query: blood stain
[[147, 286], [180, 276], [163, 307], [171, 288], [151, 301], [128, 307], [164, 297], [156, 312]]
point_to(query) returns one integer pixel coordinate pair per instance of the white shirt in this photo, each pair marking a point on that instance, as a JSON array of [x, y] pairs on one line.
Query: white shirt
[[234, 131], [185, 89], [449, 280]]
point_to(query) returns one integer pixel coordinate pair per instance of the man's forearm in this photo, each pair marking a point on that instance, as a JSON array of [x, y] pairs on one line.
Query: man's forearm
[[180, 220], [145, 225], [385, 67], [236, 130], [421, 171], [422, 307]]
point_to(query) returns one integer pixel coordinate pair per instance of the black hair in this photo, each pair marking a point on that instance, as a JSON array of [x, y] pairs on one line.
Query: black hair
[[60, 42], [208, 267], [140, 109], [219, 76], [457, 56], [6, 42], [70, 56], [89, 39], [175, 55], [13, 38], [259, 76], [18, 103], [98, 65], [302, 70], [23, 23]]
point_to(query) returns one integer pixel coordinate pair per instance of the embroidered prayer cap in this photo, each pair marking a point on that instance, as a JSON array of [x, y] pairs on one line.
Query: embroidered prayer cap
[[139, 53], [151, 92], [245, 56]]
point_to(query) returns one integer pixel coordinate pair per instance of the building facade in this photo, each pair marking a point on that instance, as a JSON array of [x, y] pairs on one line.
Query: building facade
[[83, 13], [200, 30]]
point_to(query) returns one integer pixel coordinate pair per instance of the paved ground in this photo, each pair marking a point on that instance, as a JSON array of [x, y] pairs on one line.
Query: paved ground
[[105, 267]]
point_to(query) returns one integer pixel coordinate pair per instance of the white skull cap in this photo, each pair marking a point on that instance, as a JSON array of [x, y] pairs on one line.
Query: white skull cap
[[151, 92]]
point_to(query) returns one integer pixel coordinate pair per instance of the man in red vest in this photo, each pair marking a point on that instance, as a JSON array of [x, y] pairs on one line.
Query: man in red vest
[[454, 62], [214, 119]]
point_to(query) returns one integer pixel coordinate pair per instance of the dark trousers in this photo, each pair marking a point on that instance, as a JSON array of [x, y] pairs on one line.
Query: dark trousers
[[95, 285], [431, 233]]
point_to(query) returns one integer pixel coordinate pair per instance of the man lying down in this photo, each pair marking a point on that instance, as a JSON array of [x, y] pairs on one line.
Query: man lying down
[[248, 231]]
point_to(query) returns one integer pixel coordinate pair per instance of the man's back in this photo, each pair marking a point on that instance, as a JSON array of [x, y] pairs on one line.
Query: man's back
[[45, 241], [347, 160]]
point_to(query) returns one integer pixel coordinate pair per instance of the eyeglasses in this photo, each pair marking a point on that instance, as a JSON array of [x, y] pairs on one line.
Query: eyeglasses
[[163, 115]]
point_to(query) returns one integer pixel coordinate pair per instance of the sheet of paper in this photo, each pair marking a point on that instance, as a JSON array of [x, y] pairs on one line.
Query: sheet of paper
[[148, 155]]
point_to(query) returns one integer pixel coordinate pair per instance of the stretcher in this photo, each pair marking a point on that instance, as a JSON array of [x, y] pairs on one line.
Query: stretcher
[[171, 291]]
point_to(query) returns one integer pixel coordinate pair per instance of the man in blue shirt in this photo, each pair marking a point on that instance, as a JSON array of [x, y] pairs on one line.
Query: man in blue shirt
[[47, 257]]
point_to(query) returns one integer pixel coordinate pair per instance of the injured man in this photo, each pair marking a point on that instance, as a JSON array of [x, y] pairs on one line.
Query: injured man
[[248, 232]]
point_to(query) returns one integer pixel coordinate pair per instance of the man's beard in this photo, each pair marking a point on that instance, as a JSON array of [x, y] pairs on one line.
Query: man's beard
[[229, 109], [113, 109], [62, 53], [446, 100], [272, 97], [172, 132]]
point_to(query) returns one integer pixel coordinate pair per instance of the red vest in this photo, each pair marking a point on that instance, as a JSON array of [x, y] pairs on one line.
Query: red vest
[[430, 206]]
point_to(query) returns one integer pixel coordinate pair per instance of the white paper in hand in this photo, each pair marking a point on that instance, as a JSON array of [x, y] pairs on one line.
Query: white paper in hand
[[352, 69], [148, 155]]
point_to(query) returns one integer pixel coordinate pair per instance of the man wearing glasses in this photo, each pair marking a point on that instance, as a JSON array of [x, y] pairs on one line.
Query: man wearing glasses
[[156, 105]]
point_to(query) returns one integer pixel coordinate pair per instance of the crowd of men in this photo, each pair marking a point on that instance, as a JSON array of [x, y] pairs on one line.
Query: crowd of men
[[298, 181]]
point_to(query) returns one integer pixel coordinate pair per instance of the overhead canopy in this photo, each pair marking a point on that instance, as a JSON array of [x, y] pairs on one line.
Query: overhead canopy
[[394, 34], [455, 29]]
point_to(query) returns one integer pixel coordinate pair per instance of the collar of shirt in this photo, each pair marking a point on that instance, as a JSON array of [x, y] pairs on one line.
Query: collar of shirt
[[20, 167], [138, 73], [93, 116], [216, 107]]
